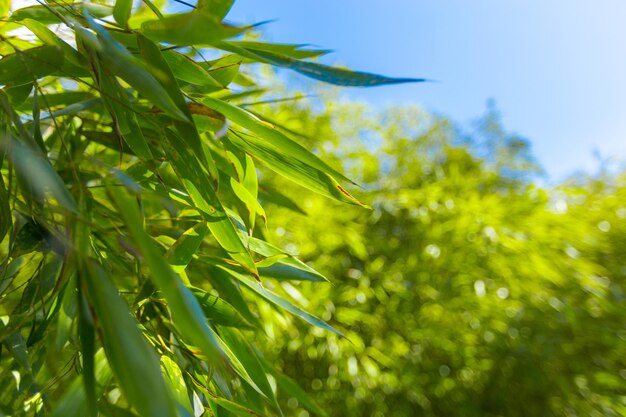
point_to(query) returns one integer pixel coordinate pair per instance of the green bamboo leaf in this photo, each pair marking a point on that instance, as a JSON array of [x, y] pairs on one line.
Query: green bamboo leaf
[[224, 69], [292, 388], [133, 361], [174, 378], [120, 62], [87, 336], [159, 67], [218, 311], [74, 402], [272, 136], [63, 99], [199, 27], [286, 266], [195, 180], [54, 13], [186, 69], [47, 36], [25, 66], [182, 251], [250, 360], [186, 310], [36, 171], [231, 292], [6, 219], [5, 8], [278, 300], [246, 197], [283, 272], [293, 169], [18, 94], [121, 11], [67, 312], [16, 344], [218, 8], [290, 50], [124, 118], [233, 407], [267, 195], [74, 108], [325, 73]]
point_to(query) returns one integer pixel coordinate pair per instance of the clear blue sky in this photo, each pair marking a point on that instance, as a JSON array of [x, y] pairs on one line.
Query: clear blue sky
[[556, 68]]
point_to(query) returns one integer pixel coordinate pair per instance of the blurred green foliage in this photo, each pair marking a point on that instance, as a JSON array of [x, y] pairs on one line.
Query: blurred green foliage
[[467, 290]]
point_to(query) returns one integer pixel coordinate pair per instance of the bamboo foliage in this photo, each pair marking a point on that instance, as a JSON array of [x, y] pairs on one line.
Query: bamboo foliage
[[132, 252]]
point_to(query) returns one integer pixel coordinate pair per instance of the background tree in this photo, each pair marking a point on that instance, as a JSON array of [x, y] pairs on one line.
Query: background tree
[[467, 290]]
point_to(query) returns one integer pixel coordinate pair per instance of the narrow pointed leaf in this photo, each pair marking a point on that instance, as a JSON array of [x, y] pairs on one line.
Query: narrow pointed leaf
[[241, 347], [120, 62], [218, 8], [293, 169], [272, 136], [290, 50], [328, 74], [132, 360], [121, 11], [181, 252], [199, 27], [174, 378], [195, 181], [279, 301], [37, 172], [74, 402], [24, 67], [186, 311], [187, 70], [218, 311]]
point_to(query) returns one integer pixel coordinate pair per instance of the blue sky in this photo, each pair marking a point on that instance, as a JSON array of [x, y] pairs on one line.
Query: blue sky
[[555, 68]]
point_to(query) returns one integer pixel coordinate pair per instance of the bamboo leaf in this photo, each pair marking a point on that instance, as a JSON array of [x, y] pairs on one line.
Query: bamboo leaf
[[290, 50], [6, 219], [186, 69], [120, 62], [218, 8], [199, 27], [195, 181], [174, 378], [74, 402], [186, 310], [273, 137], [182, 251], [218, 311], [325, 73], [293, 169], [121, 11], [132, 360], [241, 347], [279, 301], [25, 66], [292, 388], [54, 13], [34, 170]]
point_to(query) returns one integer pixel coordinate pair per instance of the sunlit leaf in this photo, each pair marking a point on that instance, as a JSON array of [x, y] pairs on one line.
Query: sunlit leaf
[[121, 11], [133, 361], [274, 138], [325, 73], [293, 169], [279, 301], [24, 67], [199, 27]]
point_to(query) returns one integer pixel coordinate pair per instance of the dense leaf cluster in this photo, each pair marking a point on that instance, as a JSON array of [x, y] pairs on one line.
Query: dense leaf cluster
[[133, 265]]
